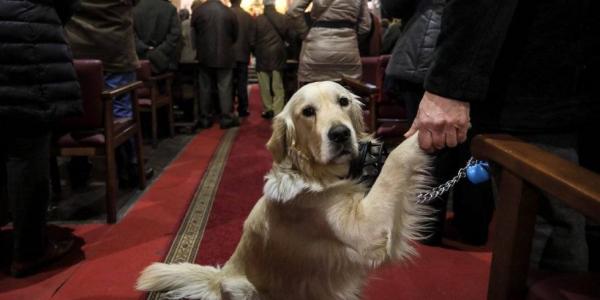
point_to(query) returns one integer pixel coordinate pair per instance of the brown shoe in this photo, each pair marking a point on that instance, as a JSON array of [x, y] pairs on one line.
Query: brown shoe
[[54, 251]]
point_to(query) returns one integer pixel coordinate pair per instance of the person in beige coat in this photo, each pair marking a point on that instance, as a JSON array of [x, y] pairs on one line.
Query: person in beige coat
[[330, 46]]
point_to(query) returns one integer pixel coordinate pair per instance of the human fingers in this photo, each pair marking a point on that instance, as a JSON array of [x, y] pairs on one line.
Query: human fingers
[[438, 138], [451, 140], [461, 133], [425, 141]]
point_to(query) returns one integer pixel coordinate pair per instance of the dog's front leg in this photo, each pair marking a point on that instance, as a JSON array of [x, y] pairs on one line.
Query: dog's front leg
[[381, 225]]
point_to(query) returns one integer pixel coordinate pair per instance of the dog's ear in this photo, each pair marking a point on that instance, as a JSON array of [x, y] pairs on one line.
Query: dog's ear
[[277, 144], [357, 117]]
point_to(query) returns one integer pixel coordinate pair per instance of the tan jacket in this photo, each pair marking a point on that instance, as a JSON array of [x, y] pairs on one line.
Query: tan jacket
[[330, 53]]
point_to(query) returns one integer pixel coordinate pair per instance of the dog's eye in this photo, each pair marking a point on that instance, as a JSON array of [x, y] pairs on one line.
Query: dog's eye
[[344, 101], [308, 111]]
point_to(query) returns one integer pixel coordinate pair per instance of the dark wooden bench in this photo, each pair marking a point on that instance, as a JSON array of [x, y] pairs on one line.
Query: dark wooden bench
[[524, 172]]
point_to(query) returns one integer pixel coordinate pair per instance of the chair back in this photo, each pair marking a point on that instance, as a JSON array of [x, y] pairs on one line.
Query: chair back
[[144, 73], [370, 69], [381, 66], [91, 79]]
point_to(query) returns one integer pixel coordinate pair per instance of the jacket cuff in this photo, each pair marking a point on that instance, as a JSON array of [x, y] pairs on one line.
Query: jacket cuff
[[457, 85]]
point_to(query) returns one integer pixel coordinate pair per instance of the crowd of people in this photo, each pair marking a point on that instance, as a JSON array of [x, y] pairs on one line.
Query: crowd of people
[[459, 67]]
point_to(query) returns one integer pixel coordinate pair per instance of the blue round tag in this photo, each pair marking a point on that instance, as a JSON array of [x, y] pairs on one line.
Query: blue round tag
[[478, 173]]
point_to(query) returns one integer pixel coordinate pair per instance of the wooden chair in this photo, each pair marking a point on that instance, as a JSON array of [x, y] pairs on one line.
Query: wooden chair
[[524, 172], [155, 94], [186, 76], [385, 118], [97, 132]]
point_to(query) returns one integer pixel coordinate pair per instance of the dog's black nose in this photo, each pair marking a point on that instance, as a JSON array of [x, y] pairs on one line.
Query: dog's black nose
[[339, 134]]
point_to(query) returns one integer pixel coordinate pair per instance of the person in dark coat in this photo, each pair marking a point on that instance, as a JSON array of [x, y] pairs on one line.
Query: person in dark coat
[[405, 74], [216, 30], [507, 67], [38, 87], [158, 31], [242, 48], [272, 32]]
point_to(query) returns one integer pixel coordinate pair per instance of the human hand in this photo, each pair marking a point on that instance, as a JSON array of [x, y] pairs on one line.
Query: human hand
[[440, 122]]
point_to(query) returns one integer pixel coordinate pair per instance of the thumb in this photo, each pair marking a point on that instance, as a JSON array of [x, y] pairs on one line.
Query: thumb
[[413, 129]]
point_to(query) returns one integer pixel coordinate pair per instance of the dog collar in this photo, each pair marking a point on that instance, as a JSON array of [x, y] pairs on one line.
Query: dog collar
[[366, 166]]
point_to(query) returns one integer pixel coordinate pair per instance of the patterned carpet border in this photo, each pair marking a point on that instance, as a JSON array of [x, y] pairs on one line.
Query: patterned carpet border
[[185, 244]]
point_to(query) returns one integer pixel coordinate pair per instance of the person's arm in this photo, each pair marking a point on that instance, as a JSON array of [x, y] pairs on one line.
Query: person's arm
[[364, 23], [65, 9], [471, 37], [289, 32], [401, 9], [141, 47], [252, 34], [193, 36], [296, 14], [172, 39], [235, 28]]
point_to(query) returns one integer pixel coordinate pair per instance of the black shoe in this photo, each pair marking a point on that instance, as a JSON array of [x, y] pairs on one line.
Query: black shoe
[[242, 114], [203, 123], [229, 122], [53, 252], [267, 115]]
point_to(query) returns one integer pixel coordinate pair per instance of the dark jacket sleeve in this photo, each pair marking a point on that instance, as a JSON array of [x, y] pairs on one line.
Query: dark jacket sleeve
[[234, 24], [402, 9], [65, 9], [169, 45], [140, 46], [251, 31], [471, 37]]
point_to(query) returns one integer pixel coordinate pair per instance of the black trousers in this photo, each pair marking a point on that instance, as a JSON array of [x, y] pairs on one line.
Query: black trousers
[[240, 85], [25, 190], [207, 77]]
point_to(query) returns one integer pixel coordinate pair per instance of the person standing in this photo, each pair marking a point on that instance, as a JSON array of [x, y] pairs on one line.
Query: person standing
[[158, 32], [242, 48], [330, 46], [93, 33], [38, 87], [405, 74], [505, 67], [216, 30], [272, 31]]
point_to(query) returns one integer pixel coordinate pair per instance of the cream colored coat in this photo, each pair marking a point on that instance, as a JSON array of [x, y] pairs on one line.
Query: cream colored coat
[[328, 53]]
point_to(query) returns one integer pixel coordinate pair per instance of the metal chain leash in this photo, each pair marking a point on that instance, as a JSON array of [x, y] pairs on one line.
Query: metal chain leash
[[426, 197]]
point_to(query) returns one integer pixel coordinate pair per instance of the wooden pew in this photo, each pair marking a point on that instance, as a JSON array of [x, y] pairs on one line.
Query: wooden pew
[[524, 172]]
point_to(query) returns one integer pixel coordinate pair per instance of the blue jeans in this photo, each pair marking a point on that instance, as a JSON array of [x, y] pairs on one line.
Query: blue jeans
[[121, 105]]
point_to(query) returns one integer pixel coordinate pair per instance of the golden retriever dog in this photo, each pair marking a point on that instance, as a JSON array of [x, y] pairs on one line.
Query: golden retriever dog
[[314, 234]]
